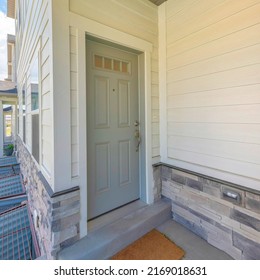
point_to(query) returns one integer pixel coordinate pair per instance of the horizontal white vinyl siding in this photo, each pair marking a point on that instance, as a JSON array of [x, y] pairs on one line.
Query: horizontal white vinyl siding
[[35, 29], [138, 18], [213, 87]]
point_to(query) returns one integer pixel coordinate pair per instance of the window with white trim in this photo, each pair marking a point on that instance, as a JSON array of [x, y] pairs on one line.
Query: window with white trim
[[34, 72]]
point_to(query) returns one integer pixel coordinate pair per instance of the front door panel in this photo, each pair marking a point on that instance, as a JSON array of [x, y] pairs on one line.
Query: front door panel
[[112, 104]]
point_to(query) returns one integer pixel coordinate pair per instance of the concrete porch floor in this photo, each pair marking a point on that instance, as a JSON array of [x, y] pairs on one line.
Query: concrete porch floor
[[195, 247]]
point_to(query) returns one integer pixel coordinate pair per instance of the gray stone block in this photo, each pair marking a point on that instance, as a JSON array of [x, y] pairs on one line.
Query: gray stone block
[[164, 181], [157, 173], [212, 191], [252, 204], [184, 212], [55, 205], [228, 248], [220, 208], [185, 174], [179, 204], [194, 184], [222, 227], [197, 229], [245, 219], [178, 178], [180, 198], [211, 183], [253, 195], [61, 236], [69, 201], [210, 187], [59, 225], [66, 210], [203, 217], [65, 196], [56, 226], [166, 172], [218, 232], [250, 249], [211, 221]]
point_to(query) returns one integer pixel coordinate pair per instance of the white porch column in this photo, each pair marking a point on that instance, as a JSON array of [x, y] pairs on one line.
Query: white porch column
[[1, 129]]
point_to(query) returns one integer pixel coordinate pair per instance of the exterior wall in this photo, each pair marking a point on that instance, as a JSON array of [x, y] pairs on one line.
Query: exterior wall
[[56, 215], [212, 119], [200, 204], [140, 19], [33, 41], [211, 110]]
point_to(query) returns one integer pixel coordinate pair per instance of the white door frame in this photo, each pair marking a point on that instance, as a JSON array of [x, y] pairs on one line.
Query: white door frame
[[86, 26]]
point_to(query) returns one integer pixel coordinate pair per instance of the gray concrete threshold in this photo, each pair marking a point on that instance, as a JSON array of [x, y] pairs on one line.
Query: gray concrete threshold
[[111, 233]]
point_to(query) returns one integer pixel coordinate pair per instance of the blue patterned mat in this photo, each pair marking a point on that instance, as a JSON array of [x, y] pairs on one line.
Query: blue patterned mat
[[11, 186], [17, 241]]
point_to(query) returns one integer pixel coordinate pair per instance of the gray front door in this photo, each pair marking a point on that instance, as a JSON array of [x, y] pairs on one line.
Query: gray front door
[[112, 128]]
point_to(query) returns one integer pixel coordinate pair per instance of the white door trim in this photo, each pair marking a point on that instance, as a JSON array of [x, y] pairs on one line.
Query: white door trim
[[86, 26]]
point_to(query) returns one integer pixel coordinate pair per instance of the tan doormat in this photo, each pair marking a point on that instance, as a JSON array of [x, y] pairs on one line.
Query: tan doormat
[[152, 246]]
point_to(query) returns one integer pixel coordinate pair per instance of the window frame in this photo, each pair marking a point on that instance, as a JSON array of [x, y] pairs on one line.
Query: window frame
[[36, 57]]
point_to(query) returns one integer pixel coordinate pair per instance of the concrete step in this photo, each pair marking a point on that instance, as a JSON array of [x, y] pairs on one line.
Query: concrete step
[[105, 241]]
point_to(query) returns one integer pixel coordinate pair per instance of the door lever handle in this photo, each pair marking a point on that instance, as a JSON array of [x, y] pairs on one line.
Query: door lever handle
[[138, 137], [136, 123]]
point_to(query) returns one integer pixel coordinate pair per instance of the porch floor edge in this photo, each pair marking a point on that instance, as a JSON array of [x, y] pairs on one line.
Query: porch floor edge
[[104, 242]]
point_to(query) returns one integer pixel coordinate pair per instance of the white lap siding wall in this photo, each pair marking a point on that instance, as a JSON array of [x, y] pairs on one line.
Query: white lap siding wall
[[212, 121]]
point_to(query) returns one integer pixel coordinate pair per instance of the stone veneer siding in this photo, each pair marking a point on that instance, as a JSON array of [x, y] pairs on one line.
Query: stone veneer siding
[[200, 204], [56, 215]]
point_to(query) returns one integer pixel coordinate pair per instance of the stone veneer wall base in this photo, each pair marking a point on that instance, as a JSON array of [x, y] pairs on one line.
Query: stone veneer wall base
[[56, 215], [225, 215]]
